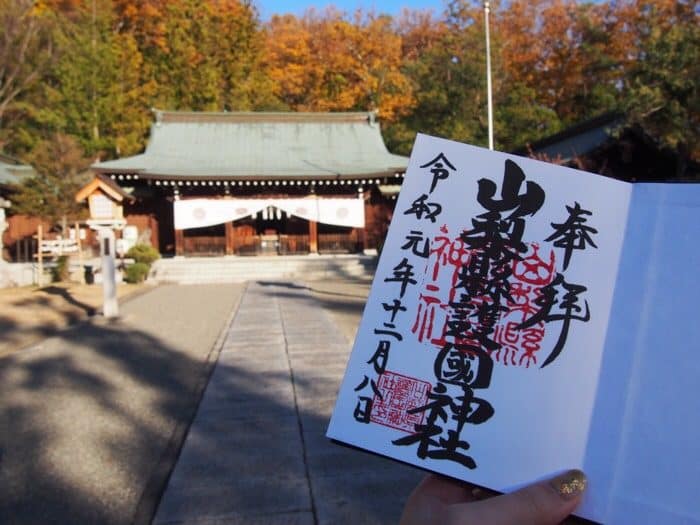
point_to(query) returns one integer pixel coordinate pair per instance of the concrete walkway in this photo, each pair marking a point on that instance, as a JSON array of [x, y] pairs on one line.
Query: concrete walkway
[[256, 451]]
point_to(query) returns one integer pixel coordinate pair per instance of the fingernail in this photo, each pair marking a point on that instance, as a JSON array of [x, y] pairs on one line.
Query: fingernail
[[570, 484]]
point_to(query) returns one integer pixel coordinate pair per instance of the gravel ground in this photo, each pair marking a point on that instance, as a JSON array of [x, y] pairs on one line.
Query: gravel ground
[[92, 418], [29, 314]]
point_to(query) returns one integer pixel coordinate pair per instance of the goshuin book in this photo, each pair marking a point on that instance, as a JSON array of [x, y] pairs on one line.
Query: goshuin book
[[527, 318]]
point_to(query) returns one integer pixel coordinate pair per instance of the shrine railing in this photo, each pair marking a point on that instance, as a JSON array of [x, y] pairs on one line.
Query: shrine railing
[[293, 244], [271, 244]]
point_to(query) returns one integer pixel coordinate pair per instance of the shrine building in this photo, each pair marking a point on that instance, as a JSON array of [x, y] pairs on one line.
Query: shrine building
[[260, 183]]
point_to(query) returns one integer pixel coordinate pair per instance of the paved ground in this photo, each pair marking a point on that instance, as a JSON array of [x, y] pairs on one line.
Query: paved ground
[[91, 419], [344, 301], [256, 452]]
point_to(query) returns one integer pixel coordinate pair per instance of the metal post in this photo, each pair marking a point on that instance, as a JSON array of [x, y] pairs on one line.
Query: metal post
[[488, 74]]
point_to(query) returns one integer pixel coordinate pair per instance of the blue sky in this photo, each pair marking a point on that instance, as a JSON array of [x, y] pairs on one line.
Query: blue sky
[[393, 7]]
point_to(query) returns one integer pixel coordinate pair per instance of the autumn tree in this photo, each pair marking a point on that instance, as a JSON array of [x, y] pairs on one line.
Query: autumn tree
[[329, 62], [662, 85], [572, 55], [60, 164], [446, 61], [26, 47], [92, 69], [145, 21]]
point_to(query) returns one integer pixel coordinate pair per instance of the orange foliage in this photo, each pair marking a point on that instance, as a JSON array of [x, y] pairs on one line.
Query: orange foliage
[[145, 19], [419, 32], [325, 62], [562, 48]]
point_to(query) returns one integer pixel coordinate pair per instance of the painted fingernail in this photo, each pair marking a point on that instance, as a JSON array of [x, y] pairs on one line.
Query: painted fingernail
[[570, 485]]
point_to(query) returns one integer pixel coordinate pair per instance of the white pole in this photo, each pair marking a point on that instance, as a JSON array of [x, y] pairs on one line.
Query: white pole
[[488, 74], [110, 306]]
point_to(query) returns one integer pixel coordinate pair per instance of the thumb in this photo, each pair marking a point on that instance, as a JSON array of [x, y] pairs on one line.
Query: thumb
[[544, 503]]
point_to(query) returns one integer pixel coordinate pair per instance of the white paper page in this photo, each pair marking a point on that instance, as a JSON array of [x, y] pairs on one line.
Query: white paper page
[[524, 421], [644, 444]]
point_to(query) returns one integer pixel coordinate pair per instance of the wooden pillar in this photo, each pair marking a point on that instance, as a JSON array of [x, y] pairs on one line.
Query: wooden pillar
[[179, 242], [230, 241], [362, 241], [313, 236], [153, 225]]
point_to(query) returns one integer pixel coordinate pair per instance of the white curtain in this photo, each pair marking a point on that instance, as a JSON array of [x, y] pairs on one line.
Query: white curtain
[[198, 213]]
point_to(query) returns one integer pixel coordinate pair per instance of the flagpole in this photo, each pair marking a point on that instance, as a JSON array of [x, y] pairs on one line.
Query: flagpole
[[488, 74]]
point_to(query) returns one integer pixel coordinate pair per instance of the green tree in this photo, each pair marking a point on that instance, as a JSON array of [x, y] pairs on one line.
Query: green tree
[[449, 85], [662, 91], [211, 58], [95, 91], [520, 118]]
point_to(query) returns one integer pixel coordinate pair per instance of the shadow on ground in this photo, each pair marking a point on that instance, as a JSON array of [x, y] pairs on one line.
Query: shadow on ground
[[43, 316], [92, 420], [83, 432], [68, 298]]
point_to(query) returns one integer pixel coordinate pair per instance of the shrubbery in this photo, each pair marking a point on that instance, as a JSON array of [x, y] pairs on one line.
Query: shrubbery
[[136, 273], [143, 253]]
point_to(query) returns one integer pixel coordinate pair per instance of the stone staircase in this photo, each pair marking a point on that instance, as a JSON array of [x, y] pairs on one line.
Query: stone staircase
[[193, 270]]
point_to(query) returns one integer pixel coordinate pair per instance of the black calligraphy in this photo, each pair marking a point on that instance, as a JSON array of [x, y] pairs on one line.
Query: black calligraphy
[[574, 233]]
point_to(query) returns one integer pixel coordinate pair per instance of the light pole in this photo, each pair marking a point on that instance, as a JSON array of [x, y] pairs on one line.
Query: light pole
[[488, 74]]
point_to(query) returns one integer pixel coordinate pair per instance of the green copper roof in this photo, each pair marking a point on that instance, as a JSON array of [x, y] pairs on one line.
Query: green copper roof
[[13, 171], [261, 145]]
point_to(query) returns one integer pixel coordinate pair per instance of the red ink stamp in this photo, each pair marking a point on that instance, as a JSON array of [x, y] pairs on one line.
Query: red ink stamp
[[399, 395], [529, 274]]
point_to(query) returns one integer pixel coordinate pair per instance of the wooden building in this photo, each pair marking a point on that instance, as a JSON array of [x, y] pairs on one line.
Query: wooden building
[[260, 183], [607, 146], [16, 230]]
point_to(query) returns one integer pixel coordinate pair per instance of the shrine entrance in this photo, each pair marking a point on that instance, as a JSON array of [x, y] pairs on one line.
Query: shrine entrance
[[269, 226]]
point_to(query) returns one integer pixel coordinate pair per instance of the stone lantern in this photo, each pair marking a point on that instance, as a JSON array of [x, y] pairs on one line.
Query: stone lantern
[[105, 200]]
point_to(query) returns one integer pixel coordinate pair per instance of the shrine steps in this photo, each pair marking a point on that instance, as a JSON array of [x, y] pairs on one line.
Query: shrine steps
[[195, 270]]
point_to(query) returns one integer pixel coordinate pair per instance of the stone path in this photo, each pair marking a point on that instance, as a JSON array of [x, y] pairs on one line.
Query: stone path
[[256, 451]]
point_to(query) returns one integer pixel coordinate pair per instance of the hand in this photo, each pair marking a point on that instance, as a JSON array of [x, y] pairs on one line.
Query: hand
[[439, 500]]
